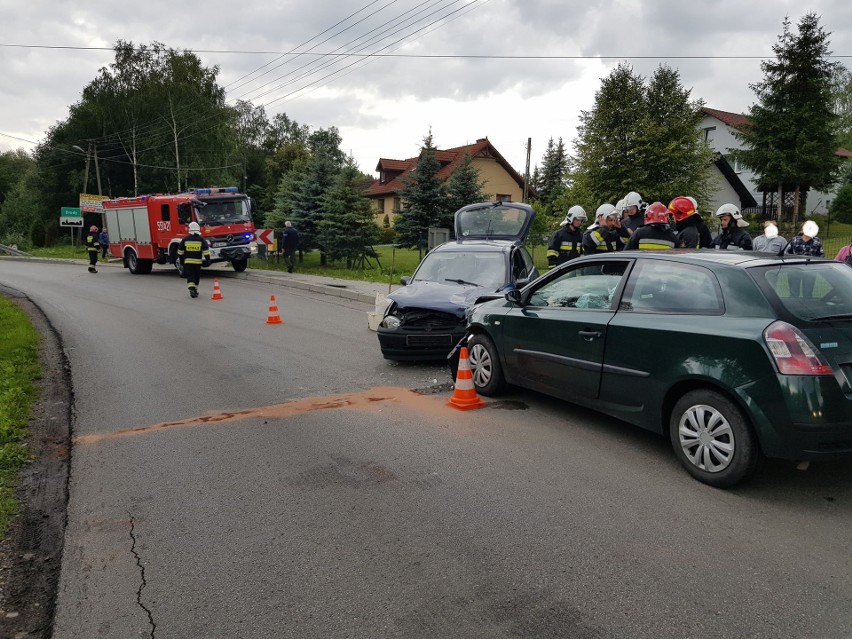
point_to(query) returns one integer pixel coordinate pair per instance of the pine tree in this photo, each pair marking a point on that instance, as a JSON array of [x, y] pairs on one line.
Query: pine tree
[[308, 196], [463, 187], [423, 198], [550, 181], [790, 142], [347, 229], [610, 160]]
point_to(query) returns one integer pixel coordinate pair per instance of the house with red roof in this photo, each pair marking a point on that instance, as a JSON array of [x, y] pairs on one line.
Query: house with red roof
[[738, 185], [502, 181]]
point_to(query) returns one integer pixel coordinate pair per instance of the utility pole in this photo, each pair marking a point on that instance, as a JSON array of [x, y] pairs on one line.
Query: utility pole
[[527, 172], [97, 169]]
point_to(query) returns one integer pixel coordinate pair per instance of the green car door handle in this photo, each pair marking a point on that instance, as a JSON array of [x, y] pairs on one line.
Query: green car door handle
[[590, 335]]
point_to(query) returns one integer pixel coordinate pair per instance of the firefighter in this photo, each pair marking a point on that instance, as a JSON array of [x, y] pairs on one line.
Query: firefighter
[[732, 236], [602, 236], [692, 232], [656, 234], [567, 242], [634, 211], [94, 247], [193, 251]]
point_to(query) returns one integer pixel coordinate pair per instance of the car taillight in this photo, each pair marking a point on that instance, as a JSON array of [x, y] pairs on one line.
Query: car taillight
[[793, 353]]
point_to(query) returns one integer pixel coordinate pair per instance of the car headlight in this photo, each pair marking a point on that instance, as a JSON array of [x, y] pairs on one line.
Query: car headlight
[[392, 322]]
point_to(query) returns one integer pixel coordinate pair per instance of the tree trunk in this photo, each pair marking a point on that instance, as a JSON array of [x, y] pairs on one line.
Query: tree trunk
[[796, 207]]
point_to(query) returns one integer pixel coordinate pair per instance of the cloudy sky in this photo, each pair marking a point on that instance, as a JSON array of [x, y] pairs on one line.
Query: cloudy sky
[[505, 69]]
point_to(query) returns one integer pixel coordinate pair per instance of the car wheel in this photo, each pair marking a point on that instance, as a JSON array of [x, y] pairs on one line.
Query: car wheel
[[239, 265], [485, 363], [712, 439]]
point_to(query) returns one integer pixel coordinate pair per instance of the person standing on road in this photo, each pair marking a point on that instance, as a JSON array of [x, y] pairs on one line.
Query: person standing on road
[[691, 230], [103, 238], [732, 236], [656, 234], [567, 242], [290, 240], [806, 243], [93, 247], [770, 241], [193, 251]]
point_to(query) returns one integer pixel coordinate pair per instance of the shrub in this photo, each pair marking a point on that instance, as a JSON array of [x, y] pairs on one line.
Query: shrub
[[841, 208], [37, 233]]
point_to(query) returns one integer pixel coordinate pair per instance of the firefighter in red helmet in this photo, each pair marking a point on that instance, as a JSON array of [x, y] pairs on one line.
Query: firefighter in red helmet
[[94, 248], [691, 230], [656, 234]]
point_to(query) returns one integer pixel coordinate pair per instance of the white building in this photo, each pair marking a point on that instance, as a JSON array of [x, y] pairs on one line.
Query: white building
[[736, 184]]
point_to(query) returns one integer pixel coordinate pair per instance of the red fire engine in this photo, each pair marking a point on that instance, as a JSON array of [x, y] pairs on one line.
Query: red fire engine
[[147, 229]]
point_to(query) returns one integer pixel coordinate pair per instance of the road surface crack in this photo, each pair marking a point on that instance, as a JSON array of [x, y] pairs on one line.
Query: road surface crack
[[143, 582]]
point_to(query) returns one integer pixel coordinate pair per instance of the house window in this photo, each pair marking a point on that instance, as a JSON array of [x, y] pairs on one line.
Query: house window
[[380, 205], [709, 134], [502, 197], [397, 204]]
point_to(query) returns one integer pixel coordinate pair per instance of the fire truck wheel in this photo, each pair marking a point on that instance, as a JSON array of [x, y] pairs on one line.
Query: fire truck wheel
[[239, 265], [133, 263]]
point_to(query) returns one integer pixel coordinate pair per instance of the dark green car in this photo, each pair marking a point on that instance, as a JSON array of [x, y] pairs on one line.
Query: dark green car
[[733, 354]]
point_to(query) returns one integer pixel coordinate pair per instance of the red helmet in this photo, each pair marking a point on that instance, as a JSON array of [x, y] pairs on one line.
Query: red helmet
[[92, 229], [656, 213], [682, 207]]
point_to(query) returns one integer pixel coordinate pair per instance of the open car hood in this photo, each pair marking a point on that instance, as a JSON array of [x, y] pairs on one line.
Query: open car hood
[[494, 221], [446, 298]]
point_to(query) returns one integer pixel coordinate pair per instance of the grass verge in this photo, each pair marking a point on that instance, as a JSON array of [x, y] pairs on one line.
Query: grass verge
[[19, 370]]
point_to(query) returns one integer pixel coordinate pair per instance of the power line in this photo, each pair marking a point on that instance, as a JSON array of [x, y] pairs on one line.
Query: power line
[[438, 55]]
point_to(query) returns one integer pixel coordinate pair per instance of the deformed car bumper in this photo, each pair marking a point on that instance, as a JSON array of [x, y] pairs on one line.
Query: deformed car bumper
[[403, 345]]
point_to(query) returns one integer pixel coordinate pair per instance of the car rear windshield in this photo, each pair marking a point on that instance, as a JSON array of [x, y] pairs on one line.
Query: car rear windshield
[[811, 291]]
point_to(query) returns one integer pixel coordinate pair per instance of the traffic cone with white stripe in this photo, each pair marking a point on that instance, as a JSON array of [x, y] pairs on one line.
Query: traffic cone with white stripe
[[274, 317], [217, 292], [464, 396]]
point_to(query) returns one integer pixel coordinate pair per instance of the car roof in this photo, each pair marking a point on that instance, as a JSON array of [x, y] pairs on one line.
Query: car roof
[[492, 246], [745, 259]]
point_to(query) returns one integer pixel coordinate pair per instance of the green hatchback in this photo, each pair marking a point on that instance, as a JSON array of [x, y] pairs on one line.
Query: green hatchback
[[733, 354]]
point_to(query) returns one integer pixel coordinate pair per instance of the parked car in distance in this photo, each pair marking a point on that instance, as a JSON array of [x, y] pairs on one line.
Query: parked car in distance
[[426, 317], [732, 355]]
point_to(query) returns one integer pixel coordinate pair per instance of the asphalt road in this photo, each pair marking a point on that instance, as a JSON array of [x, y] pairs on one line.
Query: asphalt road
[[235, 479]]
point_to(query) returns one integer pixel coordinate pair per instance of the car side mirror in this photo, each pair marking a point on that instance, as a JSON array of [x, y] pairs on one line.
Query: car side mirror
[[514, 296], [404, 280]]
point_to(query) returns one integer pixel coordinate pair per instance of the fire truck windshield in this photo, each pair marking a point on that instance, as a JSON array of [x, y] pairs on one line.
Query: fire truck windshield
[[223, 212]]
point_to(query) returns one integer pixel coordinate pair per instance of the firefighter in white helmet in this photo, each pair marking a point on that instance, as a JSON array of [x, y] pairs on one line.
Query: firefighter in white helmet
[[634, 212], [567, 242], [732, 236], [603, 235], [194, 252], [93, 246]]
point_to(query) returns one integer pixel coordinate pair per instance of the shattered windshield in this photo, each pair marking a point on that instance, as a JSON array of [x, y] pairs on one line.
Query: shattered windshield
[[478, 268], [223, 212]]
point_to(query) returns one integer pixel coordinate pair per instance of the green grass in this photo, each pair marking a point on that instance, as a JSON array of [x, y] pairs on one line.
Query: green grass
[[19, 369], [62, 251]]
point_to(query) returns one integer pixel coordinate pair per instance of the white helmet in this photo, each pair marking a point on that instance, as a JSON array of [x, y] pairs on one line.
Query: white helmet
[[194, 228], [632, 199], [607, 210], [734, 212], [619, 206], [576, 212]]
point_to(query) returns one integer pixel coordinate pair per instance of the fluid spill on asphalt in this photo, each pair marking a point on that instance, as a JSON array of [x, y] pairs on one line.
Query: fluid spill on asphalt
[[367, 400]]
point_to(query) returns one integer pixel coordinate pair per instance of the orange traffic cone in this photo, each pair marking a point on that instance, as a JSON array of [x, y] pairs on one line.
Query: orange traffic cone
[[273, 318], [217, 293], [464, 396]]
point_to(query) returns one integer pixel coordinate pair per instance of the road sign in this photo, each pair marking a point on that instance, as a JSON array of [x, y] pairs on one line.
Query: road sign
[[265, 236], [70, 216]]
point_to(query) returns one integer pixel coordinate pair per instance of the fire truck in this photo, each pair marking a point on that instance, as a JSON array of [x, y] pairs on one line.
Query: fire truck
[[147, 229]]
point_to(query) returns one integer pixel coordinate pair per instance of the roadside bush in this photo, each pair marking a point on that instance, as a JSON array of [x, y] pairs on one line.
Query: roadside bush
[[841, 208], [388, 235], [18, 239], [37, 233]]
